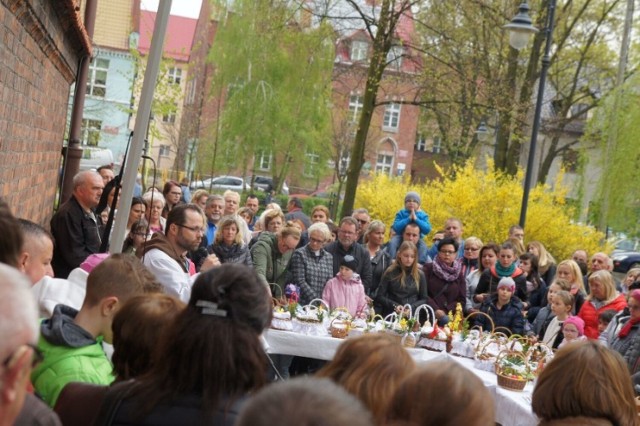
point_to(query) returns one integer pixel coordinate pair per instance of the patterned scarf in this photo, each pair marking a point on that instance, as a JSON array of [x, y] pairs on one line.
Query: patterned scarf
[[505, 272], [446, 272]]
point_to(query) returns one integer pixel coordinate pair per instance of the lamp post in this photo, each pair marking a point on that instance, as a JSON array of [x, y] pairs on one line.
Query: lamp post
[[520, 29]]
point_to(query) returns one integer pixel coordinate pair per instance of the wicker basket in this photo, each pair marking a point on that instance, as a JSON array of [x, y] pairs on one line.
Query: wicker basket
[[511, 383], [515, 384], [339, 328]]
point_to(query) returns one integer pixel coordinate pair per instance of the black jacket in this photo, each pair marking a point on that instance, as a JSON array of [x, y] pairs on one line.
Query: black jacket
[[359, 252], [76, 234], [391, 293]]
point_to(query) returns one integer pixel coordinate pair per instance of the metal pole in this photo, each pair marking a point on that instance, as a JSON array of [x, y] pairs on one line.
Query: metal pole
[[142, 120], [546, 60]]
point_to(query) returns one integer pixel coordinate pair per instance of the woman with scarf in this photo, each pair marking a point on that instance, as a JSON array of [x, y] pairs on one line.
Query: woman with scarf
[[446, 285], [624, 335], [228, 245], [504, 267]]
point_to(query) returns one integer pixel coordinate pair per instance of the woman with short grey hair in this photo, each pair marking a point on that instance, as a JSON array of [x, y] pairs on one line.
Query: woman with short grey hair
[[312, 266]]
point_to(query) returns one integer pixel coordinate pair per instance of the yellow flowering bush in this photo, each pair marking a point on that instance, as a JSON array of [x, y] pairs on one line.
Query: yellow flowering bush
[[488, 203]]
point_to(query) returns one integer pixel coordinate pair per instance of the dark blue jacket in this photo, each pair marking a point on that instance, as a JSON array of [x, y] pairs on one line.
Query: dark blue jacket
[[509, 317]]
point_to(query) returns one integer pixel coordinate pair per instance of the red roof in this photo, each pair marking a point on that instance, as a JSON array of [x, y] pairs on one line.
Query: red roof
[[179, 37]]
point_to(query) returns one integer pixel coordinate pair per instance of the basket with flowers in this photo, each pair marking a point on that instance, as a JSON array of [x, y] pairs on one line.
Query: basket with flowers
[[284, 308], [311, 319], [466, 338], [513, 370], [405, 327]]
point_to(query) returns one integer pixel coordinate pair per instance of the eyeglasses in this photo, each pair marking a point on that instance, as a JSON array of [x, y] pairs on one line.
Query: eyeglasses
[[447, 252], [315, 240], [471, 249], [195, 229], [346, 232], [36, 358], [175, 193]]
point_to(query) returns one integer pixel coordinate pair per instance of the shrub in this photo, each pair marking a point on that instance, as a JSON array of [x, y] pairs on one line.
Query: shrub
[[488, 203]]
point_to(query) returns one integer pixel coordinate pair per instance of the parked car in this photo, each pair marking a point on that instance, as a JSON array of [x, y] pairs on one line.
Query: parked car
[[265, 183], [623, 261], [221, 182]]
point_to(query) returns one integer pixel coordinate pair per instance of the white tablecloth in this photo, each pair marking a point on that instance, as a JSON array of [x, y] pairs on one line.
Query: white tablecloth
[[512, 408]]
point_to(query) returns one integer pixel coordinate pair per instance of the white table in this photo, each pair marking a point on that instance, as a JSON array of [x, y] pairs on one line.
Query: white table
[[512, 408]]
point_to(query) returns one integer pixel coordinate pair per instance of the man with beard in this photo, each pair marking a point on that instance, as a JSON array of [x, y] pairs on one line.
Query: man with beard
[[213, 211], [165, 254]]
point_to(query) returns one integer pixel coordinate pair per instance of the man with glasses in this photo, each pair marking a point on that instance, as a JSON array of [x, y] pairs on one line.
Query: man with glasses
[[18, 353], [165, 254], [346, 244], [75, 227]]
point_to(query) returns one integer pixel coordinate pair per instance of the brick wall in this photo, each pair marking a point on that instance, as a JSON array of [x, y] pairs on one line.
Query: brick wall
[[39, 52]]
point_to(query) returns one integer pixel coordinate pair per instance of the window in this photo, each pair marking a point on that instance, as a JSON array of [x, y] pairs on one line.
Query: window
[[355, 106], [164, 150], [170, 115], [264, 160], [391, 118], [97, 81], [384, 163], [437, 145], [394, 57], [421, 144], [91, 132], [359, 50], [174, 75], [311, 164], [191, 91]]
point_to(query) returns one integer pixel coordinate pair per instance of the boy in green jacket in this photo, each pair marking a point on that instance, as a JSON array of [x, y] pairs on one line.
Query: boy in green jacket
[[71, 341]]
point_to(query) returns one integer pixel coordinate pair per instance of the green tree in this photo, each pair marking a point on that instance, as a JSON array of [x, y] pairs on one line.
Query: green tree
[[275, 72]]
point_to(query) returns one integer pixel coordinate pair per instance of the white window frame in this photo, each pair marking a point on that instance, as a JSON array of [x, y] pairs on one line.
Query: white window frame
[[359, 51], [421, 144], [164, 150], [312, 160], [97, 80], [264, 160], [394, 57], [356, 102], [391, 119], [384, 162], [436, 147], [174, 75], [91, 131]]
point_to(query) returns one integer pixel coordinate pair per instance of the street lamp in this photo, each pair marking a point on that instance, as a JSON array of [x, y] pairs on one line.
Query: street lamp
[[520, 28]]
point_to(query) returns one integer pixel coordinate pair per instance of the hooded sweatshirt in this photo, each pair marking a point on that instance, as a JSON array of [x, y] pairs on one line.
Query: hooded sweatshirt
[[71, 354], [341, 293], [169, 267]]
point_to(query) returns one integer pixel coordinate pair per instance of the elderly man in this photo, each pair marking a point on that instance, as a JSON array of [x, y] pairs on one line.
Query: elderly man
[[294, 212], [231, 206], [165, 254], [346, 244], [75, 226]]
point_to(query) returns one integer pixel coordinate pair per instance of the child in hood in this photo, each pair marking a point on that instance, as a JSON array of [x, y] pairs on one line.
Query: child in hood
[[345, 290]]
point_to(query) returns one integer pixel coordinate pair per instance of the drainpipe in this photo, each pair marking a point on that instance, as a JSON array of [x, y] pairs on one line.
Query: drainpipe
[[73, 152]]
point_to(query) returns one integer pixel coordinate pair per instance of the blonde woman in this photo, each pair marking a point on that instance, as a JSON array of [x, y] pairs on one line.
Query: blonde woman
[[603, 296], [569, 271], [546, 262], [403, 282]]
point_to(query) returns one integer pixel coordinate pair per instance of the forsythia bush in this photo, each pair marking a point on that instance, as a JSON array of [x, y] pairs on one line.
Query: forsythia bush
[[488, 203]]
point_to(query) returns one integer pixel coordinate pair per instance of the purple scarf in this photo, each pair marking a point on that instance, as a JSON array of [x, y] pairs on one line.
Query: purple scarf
[[446, 272]]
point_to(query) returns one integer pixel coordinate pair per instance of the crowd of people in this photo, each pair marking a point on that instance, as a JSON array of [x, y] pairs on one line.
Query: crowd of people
[[170, 330]]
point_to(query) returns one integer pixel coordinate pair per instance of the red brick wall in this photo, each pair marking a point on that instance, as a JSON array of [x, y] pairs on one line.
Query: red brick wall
[[39, 60]]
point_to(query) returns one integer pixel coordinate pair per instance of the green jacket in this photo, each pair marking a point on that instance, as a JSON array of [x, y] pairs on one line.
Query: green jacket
[[269, 263], [70, 355]]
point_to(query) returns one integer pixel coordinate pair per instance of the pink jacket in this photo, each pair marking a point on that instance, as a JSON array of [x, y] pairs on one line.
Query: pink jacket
[[339, 293]]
